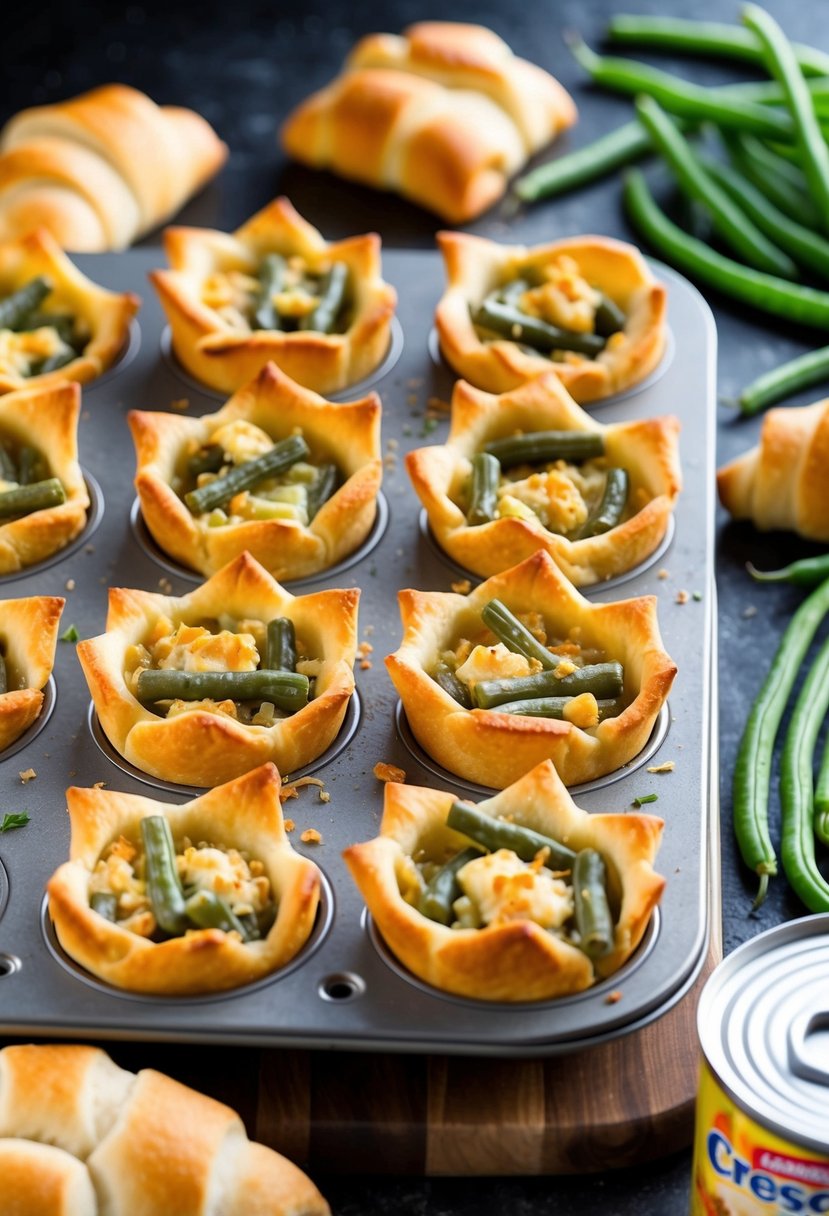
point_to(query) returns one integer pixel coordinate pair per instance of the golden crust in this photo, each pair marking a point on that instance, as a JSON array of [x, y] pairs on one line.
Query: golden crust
[[28, 635], [203, 748], [225, 358], [512, 960], [646, 449], [45, 417], [347, 434], [782, 482], [493, 748], [244, 814], [106, 314], [475, 266]]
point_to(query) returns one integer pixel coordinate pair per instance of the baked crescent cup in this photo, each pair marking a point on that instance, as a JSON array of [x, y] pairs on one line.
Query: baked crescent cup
[[204, 748], [511, 960], [347, 434], [476, 266], [224, 357], [28, 635], [646, 449], [493, 748], [244, 814]]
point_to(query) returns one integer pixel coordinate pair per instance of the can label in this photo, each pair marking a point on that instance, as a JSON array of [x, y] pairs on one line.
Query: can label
[[742, 1169]]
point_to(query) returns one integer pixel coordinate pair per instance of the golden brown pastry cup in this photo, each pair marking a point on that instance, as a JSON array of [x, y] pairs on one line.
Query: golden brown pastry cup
[[29, 634]]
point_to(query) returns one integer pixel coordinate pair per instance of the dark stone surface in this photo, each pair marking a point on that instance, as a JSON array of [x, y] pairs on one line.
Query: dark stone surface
[[243, 65]]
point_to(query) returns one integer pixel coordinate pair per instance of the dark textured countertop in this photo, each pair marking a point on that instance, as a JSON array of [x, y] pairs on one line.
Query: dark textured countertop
[[243, 66]]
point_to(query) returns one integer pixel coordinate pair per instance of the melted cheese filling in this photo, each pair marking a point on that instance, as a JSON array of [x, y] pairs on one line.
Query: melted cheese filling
[[22, 352], [503, 888], [234, 295]]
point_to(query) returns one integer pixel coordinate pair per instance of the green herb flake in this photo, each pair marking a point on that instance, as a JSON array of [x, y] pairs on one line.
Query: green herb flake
[[429, 425], [696, 595], [15, 819], [643, 798], [70, 635]]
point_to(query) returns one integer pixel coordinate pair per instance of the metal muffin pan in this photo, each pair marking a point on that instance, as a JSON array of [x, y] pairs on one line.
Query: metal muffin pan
[[344, 990]]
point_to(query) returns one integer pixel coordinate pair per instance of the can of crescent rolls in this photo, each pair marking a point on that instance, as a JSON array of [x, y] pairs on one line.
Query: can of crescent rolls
[[761, 1145]]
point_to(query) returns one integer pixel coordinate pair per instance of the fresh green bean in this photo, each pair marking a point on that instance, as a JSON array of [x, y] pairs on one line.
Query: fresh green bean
[[790, 301], [247, 475], [553, 707], [16, 307], [609, 318], [704, 38], [271, 279], [29, 465], [604, 680], [208, 459], [735, 227], [594, 920], [515, 636], [782, 182], [321, 488], [807, 572], [598, 159], [797, 843], [611, 506], [444, 676], [105, 903], [532, 331], [287, 690], [821, 800], [483, 494], [207, 910], [63, 323], [443, 888], [323, 317], [280, 649], [781, 62], [752, 769], [496, 834], [163, 884], [785, 380], [539, 447], [35, 497]]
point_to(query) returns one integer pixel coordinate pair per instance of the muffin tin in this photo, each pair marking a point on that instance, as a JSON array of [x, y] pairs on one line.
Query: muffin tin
[[344, 989]]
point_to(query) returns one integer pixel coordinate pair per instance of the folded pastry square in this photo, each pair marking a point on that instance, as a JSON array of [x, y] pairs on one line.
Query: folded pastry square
[[523, 897], [275, 291], [43, 495], [311, 468], [183, 899], [55, 323], [529, 470], [587, 307], [444, 114], [201, 688], [525, 669], [28, 637], [782, 483]]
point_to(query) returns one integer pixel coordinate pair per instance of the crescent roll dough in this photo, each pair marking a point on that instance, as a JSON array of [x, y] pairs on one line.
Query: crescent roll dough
[[80, 1136], [28, 637], [101, 169], [444, 115], [782, 482], [512, 957]]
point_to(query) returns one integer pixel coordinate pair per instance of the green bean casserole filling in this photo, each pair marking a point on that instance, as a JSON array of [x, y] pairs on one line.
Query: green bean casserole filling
[[285, 294], [26, 481], [35, 338]]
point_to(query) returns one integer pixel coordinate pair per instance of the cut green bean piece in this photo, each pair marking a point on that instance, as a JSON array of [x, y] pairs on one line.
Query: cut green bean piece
[[598, 159], [8, 469], [16, 307], [63, 323], [271, 279], [515, 636], [604, 680], [807, 572], [207, 910], [609, 317], [247, 475], [323, 318], [208, 459], [449, 682], [35, 497], [321, 488], [554, 707], [288, 690], [592, 910], [532, 331], [280, 653], [163, 885], [496, 834], [29, 466], [785, 380], [105, 904], [443, 889], [539, 447], [483, 495], [612, 506]]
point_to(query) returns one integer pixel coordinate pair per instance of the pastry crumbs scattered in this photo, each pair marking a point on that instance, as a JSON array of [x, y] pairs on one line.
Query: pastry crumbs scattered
[[289, 825], [180, 403], [437, 405], [667, 767], [388, 772], [682, 597], [325, 796], [365, 664], [414, 382], [311, 836], [663, 573], [98, 785], [166, 586], [748, 613], [89, 548], [613, 997], [462, 587], [365, 648], [411, 399], [70, 584], [28, 774]]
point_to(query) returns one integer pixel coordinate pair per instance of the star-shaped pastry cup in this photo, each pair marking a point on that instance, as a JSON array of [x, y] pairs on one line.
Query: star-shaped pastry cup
[[476, 266], [646, 449], [28, 636], [511, 959], [104, 314], [200, 747], [225, 357], [346, 434], [245, 814], [494, 748]]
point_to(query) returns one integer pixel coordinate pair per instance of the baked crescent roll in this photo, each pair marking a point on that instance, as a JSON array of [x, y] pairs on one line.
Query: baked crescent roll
[[555, 502], [287, 523], [586, 307], [591, 734], [230, 843], [509, 930], [196, 734], [782, 482], [28, 637], [102, 169], [444, 115], [80, 1136]]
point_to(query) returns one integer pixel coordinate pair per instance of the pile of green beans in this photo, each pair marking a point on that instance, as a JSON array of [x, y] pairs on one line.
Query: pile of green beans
[[329, 288], [20, 311]]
